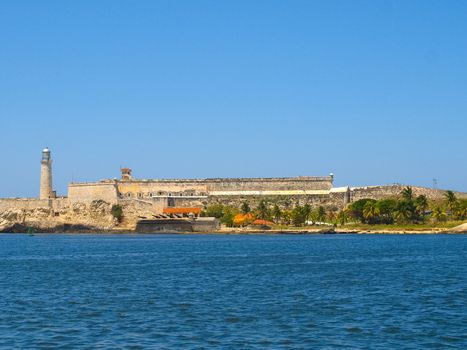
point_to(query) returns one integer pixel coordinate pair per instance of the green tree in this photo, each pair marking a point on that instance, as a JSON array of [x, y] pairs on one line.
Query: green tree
[[262, 210], [321, 214], [286, 216], [343, 217], [307, 211], [276, 213], [386, 209], [460, 212], [298, 215], [407, 193], [405, 211], [228, 216], [451, 200], [214, 210], [438, 214], [245, 208], [356, 209], [421, 203], [371, 212], [117, 212]]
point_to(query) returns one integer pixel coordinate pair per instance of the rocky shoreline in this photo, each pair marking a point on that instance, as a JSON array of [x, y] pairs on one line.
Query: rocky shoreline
[[97, 218]]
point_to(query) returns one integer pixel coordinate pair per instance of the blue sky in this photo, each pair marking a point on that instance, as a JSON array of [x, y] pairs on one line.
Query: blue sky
[[373, 91]]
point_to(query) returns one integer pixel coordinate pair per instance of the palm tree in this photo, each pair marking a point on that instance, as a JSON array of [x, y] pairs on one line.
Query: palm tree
[[321, 214], [276, 213], [462, 213], [438, 214], [370, 211], [262, 210], [404, 211], [421, 203], [307, 211], [407, 193], [451, 200], [286, 216], [342, 217], [245, 208]]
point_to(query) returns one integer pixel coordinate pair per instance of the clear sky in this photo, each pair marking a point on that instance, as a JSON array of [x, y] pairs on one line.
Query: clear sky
[[373, 91]]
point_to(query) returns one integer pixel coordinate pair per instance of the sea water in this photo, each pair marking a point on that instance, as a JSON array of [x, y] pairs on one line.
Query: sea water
[[233, 292]]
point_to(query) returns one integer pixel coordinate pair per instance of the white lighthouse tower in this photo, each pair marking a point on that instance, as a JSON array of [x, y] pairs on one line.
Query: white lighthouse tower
[[46, 190]]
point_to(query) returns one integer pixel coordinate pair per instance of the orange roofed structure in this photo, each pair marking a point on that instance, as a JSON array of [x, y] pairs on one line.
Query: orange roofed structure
[[262, 222]]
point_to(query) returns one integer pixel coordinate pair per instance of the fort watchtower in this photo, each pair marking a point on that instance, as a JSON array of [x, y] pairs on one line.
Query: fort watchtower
[[126, 174], [46, 190]]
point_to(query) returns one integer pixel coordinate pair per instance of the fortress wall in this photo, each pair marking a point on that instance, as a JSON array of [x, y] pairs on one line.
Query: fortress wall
[[268, 193], [59, 204], [54, 204], [86, 193], [270, 184], [189, 202], [375, 192], [222, 186], [23, 203], [394, 191], [173, 186]]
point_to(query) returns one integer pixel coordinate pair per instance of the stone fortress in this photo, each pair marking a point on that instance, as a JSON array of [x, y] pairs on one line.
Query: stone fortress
[[89, 204], [193, 192]]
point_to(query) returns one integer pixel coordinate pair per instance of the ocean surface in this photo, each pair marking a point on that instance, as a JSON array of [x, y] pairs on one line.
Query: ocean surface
[[233, 292]]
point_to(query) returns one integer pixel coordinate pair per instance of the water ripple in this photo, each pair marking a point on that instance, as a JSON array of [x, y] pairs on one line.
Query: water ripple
[[231, 292]]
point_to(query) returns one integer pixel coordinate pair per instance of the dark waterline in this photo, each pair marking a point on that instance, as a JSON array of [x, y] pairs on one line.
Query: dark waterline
[[233, 291]]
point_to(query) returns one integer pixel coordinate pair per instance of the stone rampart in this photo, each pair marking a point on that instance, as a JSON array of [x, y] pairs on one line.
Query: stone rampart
[[24, 203], [53, 204], [394, 191], [88, 192], [302, 183], [222, 187], [148, 189]]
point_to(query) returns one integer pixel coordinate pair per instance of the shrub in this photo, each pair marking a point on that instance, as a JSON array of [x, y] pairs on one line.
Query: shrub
[[356, 209], [214, 210], [117, 212], [245, 208]]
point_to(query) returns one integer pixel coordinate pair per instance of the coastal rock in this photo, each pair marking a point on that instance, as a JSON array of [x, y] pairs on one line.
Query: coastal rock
[[77, 217], [13, 228], [12, 215], [459, 229]]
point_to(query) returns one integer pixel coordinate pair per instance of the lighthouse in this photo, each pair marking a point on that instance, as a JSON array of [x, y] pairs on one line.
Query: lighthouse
[[46, 190]]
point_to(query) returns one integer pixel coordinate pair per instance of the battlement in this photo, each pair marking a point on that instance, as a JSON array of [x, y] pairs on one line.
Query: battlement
[[220, 179]]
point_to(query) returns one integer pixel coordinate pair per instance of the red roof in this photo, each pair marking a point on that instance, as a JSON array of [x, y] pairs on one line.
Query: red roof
[[173, 210], [262, 222]]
